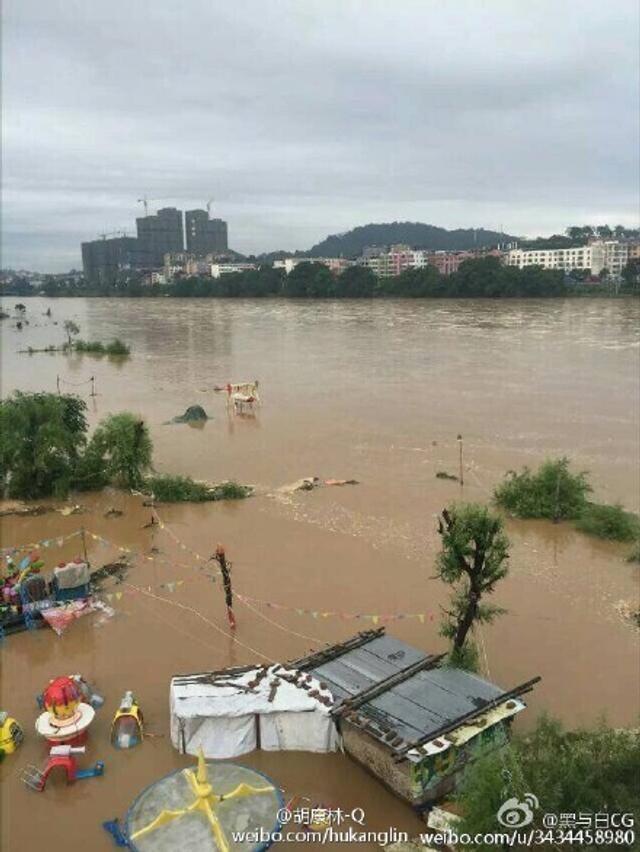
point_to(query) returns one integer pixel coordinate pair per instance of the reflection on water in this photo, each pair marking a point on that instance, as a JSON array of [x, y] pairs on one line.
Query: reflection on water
[[375, 391]]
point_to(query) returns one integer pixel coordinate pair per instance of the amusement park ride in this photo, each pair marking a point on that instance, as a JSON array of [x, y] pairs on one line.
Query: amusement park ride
[[68, 708], [64, 724]]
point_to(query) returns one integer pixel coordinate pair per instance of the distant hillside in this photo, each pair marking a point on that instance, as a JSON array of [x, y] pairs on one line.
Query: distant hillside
[[415, 234]]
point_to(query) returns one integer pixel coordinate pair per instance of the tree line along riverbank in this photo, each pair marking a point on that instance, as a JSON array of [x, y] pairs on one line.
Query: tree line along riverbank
[[481, 278]]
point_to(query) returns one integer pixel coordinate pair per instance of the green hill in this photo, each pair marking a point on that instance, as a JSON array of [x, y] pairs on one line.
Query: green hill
[[414, 234]]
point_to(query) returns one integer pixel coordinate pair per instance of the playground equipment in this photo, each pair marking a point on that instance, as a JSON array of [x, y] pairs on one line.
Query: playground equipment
[[188, 810], [127, 728], [62, 757], [11, 734], [66, 718], [64, 724], [243, 398]]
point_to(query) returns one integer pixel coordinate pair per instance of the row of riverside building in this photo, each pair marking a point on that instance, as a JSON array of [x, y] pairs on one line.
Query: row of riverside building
[[168, 247], [610, 255]]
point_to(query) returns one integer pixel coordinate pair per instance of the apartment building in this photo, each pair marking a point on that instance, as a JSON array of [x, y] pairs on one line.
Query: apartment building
[[218, 269], [611, 255], [401, 257], [335, 264]]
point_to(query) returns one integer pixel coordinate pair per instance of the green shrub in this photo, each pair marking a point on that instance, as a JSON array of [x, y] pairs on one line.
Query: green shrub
[[442, 474], [551, 492], [117, 347], [582, 771], [611, 522], [92, 346], [176, 489], [231, 491], [182, 489], [121, 447], [43, 438], [95, 347]]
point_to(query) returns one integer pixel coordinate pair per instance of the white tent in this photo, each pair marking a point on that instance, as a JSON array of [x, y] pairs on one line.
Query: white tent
[[234, 712]]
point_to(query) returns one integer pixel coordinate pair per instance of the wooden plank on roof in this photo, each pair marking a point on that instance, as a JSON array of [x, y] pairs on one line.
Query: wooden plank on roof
[[389, 684], [331, 652]]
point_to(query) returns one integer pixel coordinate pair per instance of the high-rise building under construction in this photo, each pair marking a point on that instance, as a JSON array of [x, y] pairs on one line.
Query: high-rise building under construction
[[205, 235], [158, 235]]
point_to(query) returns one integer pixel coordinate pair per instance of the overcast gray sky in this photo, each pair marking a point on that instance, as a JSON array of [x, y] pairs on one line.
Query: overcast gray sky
[[308, 117]]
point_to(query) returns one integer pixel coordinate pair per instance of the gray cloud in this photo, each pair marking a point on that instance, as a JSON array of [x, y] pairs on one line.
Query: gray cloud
[[305, 117]]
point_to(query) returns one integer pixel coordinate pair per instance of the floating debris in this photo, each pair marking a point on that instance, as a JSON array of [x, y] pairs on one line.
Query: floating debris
[[116, 570], [113, 513]]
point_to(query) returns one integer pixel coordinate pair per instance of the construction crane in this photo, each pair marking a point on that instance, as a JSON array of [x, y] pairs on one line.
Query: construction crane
[[113, 234], [145, 202]]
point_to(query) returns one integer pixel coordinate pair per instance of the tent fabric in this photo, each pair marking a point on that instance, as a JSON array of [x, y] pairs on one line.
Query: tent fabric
[[313, 731], [218, 737], [231, 714], [72, 575]]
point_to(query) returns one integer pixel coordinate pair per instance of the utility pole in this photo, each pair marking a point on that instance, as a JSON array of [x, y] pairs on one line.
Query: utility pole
[[460, 465], [225, 569]]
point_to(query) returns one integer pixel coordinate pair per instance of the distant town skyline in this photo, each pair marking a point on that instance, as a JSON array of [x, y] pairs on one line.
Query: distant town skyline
[[302, 120]]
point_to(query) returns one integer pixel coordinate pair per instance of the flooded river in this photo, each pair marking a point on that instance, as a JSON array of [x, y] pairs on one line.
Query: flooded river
[[376, 392]]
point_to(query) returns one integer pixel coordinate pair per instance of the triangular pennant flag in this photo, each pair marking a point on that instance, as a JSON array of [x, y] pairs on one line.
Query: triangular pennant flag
[[118, 595], [375, 619], [421, 617], [314, 614], [109, 596], [179, 582], [326, 614]]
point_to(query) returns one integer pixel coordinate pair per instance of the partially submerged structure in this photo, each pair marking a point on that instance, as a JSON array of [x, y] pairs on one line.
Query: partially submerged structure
[[407, 719], [233, 711]]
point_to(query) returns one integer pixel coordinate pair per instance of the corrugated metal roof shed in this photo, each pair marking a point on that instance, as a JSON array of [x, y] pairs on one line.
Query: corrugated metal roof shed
[[415, 707]]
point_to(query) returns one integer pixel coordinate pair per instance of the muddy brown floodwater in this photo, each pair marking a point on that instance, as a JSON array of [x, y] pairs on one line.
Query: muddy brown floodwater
[[375, 391]]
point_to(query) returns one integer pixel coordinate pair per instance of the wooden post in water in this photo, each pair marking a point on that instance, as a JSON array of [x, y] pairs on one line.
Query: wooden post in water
[[84, 545], [58, 384], [225, 569], [93, 386], [461, 468]]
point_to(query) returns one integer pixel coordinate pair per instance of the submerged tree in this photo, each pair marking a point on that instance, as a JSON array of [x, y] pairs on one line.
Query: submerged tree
[[121, 450], [71, 328], [473, 559], [43, 436], [553, 491]]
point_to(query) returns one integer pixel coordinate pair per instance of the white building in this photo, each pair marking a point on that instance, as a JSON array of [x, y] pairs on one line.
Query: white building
[[334, 264], [611, 255], [218, 269]]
